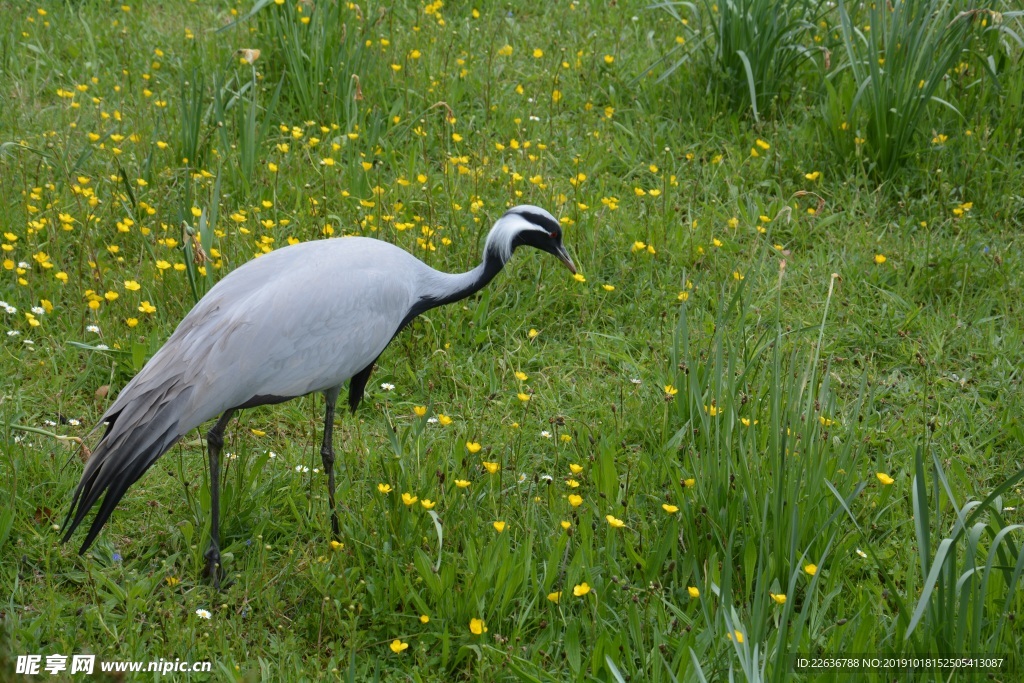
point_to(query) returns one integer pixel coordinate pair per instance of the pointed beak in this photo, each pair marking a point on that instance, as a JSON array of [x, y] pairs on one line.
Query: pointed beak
[[563, 256]]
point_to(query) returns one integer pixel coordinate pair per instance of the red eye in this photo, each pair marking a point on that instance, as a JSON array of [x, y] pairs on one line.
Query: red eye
[[552, 235]]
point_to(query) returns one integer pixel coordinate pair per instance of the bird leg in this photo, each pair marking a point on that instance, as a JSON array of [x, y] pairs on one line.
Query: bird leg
[[327, 454], [214, 442]]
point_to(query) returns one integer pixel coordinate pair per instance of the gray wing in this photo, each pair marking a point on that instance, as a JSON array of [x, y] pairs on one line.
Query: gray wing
[[295, 321]]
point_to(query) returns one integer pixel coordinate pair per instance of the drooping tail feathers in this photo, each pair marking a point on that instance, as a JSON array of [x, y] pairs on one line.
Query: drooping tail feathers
[[137, 434]]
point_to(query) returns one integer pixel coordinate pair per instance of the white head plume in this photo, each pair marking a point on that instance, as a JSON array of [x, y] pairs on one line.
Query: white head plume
[[515, 221]]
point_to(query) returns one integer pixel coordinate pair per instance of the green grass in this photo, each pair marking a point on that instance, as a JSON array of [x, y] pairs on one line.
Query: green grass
[[737, 351]]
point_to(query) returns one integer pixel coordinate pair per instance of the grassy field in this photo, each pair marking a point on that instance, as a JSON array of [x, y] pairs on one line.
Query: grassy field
[[778, 413]]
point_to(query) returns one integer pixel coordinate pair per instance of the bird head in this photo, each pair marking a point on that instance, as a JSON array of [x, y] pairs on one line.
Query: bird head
[[530, 226]]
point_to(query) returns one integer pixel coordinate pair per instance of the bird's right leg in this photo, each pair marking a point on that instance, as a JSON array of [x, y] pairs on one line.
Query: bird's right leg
[[214, 442], [327, 455]]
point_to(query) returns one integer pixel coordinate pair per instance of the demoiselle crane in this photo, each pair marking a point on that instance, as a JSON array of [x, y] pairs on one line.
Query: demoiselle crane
[[299, 320]]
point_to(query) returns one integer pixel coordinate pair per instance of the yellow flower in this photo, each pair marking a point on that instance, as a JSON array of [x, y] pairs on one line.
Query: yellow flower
[[811, 569], [196, 211], [884, 478], [578, 277], [565, 524], [581, 590], [384, 488], [689, 483], [428, 504], [608, 288], [409, 499], [532, 334], [132, 285], [572, 483], [477, 626], [575, 500], [812, 177], [554, 597], [110, 296], [670, 509], [670, 390], [499, 526], [443, 419], [146, 307], [424, 619], [781, 599], [335, 545], [397, 646], [505, 51], [762, 144], [615, 522], [461, 483], [879, 259], [491, 467], [456, 137], [565, 438], [327, 161], [538, 53], [522, 376], [420, 411], [575, 469], [693, 591], [473, 447], [608, 59], [738, 638], [172, 581], [523, 397]]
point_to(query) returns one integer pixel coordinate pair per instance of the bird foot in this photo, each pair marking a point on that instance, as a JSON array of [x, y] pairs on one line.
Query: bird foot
[[213, 569]]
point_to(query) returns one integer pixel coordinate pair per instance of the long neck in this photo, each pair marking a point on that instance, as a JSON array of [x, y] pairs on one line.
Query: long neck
[[445, 288]]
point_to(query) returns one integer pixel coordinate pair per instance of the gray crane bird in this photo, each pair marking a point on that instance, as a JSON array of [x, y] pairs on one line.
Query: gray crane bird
[[299, 320]]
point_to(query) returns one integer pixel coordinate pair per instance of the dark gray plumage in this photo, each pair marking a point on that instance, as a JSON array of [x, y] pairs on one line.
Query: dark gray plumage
[[302, 319]]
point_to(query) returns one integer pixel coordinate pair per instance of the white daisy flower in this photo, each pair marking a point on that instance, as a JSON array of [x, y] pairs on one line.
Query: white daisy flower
[[39, 310], [387, 387], [203, 614], [93, 328]]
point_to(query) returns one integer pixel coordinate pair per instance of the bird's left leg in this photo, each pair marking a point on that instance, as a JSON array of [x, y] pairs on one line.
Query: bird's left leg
[[327, 454], [214, 442]]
